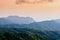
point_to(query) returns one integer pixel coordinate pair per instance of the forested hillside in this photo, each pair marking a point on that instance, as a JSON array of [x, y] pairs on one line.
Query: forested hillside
[[27, 34]]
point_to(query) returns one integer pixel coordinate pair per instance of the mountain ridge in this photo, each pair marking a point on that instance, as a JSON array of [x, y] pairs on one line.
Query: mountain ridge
[[44, 25], [16, 20]]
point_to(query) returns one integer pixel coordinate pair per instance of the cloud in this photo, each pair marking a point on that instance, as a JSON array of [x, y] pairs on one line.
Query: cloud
[[32, 1], [20, 1], [50, 0]]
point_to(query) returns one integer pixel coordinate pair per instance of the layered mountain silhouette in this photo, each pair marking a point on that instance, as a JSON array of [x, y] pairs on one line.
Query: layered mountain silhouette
[[25, 28], [53, 25], [16, 20], [27, 22]]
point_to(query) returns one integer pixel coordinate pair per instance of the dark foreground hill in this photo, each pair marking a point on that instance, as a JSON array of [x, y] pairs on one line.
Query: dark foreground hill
[[28, 34]]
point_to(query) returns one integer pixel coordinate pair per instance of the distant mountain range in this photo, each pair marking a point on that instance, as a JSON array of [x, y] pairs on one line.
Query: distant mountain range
[[27, 22], [16, 20], [51, 25], [47, 25], [25, 28]]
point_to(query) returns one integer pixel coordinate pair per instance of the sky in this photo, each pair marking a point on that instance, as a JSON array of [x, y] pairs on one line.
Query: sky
[[40, 10]]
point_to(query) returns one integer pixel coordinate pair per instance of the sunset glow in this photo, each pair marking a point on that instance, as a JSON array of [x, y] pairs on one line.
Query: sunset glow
[[40, 10]]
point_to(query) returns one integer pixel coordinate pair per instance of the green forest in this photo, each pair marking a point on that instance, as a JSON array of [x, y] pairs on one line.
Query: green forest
[[27, 34]]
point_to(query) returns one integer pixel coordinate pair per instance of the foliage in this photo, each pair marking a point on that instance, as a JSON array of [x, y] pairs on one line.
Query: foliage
[[27, 34]]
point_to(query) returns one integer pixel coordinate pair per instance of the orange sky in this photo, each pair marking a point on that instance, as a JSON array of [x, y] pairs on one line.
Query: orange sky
[[42, 11]]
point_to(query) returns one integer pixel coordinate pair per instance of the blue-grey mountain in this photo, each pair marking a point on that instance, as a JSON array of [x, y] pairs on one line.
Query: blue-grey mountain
[[27, 22], [16, 20]]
